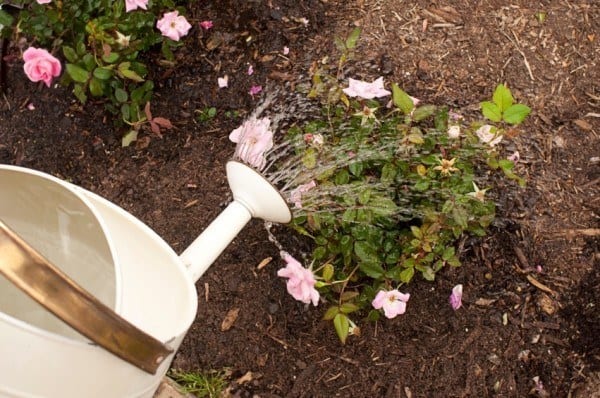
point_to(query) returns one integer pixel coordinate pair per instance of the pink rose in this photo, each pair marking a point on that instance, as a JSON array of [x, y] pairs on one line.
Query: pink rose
[[131, 5], [301, 281], [393, 302], [40, 65], [173, 25], [253, 139], [44, 1]]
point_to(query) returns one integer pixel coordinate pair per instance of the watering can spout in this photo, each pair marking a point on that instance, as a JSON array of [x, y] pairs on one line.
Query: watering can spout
[[253, 197]]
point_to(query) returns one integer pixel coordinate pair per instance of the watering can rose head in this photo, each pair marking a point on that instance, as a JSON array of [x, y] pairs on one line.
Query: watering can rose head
[[301, 281], [253, 139]]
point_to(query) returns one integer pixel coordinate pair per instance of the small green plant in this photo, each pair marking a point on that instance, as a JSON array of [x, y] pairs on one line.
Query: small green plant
[[391, 191], [202, 385], [206, 114], [102, 43]]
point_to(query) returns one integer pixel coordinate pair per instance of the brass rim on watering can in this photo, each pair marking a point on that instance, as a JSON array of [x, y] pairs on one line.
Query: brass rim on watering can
[[28, 270]]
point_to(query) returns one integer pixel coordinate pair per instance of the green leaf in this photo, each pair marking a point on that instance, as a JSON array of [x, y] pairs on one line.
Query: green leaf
[[427, 273], [331, 313], [356, 168], [110, 58], [89, 62], [353, 38], [448, 253], [126, 112], [424, 112], [348, 308], [129, 137], [102, 73], [5, 18], [131, 75], [506, 165], [81, 49], [342, 327], [491, 111], [402, 100], [502, 98], [96, 87], [407, 275], [366, 252], [77, 73], [328, 272], [363, 196], [416, 231], [422, 186], [516, 113], [70, 54], [372, 270], [79, 92], [120, 95]]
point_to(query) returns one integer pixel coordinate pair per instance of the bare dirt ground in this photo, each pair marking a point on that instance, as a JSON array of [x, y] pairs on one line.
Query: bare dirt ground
[[517, 325]]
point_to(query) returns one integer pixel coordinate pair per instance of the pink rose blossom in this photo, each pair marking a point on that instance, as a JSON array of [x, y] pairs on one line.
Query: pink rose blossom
[[301, 281], [44, 1], [255, 90], [488, 135], [456, 297], [253, 139], [359, 88], [131, 5], [392, 301], [40, 65], [296, 194], [173, 25], [223, 81], [206, 25]]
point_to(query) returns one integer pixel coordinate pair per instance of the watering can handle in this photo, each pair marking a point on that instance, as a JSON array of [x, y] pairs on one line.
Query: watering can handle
[[49, 286]]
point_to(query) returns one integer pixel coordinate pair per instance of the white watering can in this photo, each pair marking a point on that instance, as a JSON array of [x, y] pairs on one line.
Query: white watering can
[[125, 288]]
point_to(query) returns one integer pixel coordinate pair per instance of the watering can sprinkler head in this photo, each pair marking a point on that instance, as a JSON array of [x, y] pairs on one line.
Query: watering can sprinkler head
[[253, 197], [257, 194]]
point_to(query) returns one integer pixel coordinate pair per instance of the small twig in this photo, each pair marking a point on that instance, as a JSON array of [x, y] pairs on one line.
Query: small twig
[[540, 285], [515, 43]]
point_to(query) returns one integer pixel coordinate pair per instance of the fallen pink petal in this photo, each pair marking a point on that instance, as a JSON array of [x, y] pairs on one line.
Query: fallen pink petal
[[286, 50], [206, 25], [30, 106], [366, 90], [255, 90], [250, 70], [456, 297], [223, 81]]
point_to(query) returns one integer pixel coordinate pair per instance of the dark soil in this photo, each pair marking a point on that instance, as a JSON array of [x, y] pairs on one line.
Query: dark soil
[[517, 324]]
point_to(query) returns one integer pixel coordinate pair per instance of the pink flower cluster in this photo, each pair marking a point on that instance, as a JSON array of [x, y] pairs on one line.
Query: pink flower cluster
[[40, 65]]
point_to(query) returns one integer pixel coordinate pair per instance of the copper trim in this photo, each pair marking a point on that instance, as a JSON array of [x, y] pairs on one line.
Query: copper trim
[[54, 290]]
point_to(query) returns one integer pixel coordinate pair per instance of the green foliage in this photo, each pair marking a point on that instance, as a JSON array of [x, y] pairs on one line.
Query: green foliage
[[202, 385], [396, 209], [503, 109], [101, 45]]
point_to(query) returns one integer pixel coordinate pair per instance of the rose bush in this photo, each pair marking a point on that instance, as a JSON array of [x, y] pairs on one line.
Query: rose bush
[[100, 43]]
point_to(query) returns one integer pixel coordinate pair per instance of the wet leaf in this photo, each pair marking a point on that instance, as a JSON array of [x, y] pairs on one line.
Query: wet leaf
[[502, 97], [342, 327], [402, 100], [516, 113], [491, 111]]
